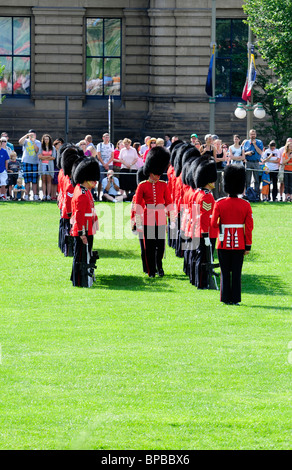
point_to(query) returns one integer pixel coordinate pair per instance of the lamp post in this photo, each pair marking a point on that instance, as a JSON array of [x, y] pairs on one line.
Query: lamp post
[[212, 99], [249, 110]]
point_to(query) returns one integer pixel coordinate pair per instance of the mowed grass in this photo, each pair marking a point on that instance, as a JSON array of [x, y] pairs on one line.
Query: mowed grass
[[139, 363]]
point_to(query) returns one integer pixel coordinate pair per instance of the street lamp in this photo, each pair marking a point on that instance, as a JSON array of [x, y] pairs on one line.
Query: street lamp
[[258, 110], [246, 110]]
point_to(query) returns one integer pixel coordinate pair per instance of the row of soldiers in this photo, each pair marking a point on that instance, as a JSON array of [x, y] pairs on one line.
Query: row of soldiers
[[200, 221], [77, 178], [195, 221]]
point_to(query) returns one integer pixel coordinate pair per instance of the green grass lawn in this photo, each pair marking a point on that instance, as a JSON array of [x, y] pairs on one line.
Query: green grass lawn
[[139, 363]]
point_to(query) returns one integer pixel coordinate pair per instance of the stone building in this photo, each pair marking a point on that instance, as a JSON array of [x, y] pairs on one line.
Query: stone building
[[150, 56]]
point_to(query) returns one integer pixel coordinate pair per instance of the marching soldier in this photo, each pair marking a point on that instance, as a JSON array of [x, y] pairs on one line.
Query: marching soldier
[[201, 271], [233, 216], [69, 157], [84, 221], [153, 202]]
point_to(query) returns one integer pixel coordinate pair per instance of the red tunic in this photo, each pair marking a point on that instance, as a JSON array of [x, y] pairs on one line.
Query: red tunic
[[61, 177], [133, 213], [205, 201], [170, 178], [188, 191], [68, 191], [178, 193], [234, 216], [84, 218], [154, 201]]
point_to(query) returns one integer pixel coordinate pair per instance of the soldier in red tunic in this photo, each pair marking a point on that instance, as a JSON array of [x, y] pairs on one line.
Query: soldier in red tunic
[[69, 157], [139, 178], [170, 183], [201, 268], [84, 221], [233, 216], [60, 189], [153, 202]]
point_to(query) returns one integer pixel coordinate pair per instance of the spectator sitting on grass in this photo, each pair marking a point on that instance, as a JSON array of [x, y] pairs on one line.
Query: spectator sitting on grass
[[18, 190], [111, 187]]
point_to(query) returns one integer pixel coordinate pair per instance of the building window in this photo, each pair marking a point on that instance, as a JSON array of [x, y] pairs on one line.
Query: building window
[[103, 56], [231, 59], [15, 53]]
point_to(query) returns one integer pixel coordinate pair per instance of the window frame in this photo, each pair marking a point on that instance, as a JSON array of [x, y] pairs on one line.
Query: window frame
[[229, 57], [13, 95], [103, 96]]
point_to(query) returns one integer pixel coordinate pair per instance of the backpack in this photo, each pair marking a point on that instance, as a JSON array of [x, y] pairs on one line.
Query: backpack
[[252, 195]]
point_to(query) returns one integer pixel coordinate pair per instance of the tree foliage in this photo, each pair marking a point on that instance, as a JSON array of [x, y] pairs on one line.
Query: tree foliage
[[278, 123], [270, 21]]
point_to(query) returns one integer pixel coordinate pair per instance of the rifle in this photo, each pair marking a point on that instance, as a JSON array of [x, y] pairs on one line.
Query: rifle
[[87, 266], [210, 265]]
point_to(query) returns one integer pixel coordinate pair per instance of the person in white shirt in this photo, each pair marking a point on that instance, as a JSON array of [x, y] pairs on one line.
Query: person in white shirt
[[128, 155], [128, 158], [105, 155]]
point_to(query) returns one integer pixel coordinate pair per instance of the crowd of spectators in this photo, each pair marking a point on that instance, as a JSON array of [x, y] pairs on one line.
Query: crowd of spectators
[[33, 175]]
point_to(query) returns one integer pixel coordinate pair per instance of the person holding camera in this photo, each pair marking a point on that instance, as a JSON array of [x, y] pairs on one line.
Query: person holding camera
[[30, 162], [271, 159], [253, 149], [110, 188]]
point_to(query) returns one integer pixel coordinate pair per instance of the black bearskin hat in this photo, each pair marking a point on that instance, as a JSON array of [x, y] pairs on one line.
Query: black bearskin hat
[[192, 171], [206, 172], [59, 155], [140, 175], [156, 162], [85, 169], [68, 158], [185, 171], [179, 157], [173, 150], [234, 179], [191, 152], [194, 167]]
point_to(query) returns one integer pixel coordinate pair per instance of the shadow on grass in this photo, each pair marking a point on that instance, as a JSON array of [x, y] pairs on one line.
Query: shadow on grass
[[273, 285], [121, 282]]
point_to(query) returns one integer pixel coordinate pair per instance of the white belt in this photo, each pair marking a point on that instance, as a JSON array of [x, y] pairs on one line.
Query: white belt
[[232, 226], [88, 215]]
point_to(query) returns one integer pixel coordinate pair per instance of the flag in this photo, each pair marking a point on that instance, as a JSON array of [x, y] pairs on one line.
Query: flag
[[209, 81], [250, 78]]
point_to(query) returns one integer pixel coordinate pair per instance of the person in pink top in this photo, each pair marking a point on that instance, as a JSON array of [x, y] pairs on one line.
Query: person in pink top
[[46, 166]]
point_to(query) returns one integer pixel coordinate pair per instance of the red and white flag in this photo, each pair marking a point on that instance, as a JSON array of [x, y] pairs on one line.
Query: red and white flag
[[250, 79]]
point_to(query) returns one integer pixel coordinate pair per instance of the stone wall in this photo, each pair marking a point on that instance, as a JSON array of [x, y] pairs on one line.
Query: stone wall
[[165, 58]]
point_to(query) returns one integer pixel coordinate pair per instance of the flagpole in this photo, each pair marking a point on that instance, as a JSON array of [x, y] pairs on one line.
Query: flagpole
[[249, 107], [212, 99]]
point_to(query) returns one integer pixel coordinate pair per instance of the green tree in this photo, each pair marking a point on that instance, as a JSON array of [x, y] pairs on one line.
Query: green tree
[[278, 124], [270, 22]]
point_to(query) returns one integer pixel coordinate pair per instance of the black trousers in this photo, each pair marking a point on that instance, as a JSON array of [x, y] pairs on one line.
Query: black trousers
[[274, 181], [81, 253], [154, 244], [200, 276], [143, 258], [231, 265]]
